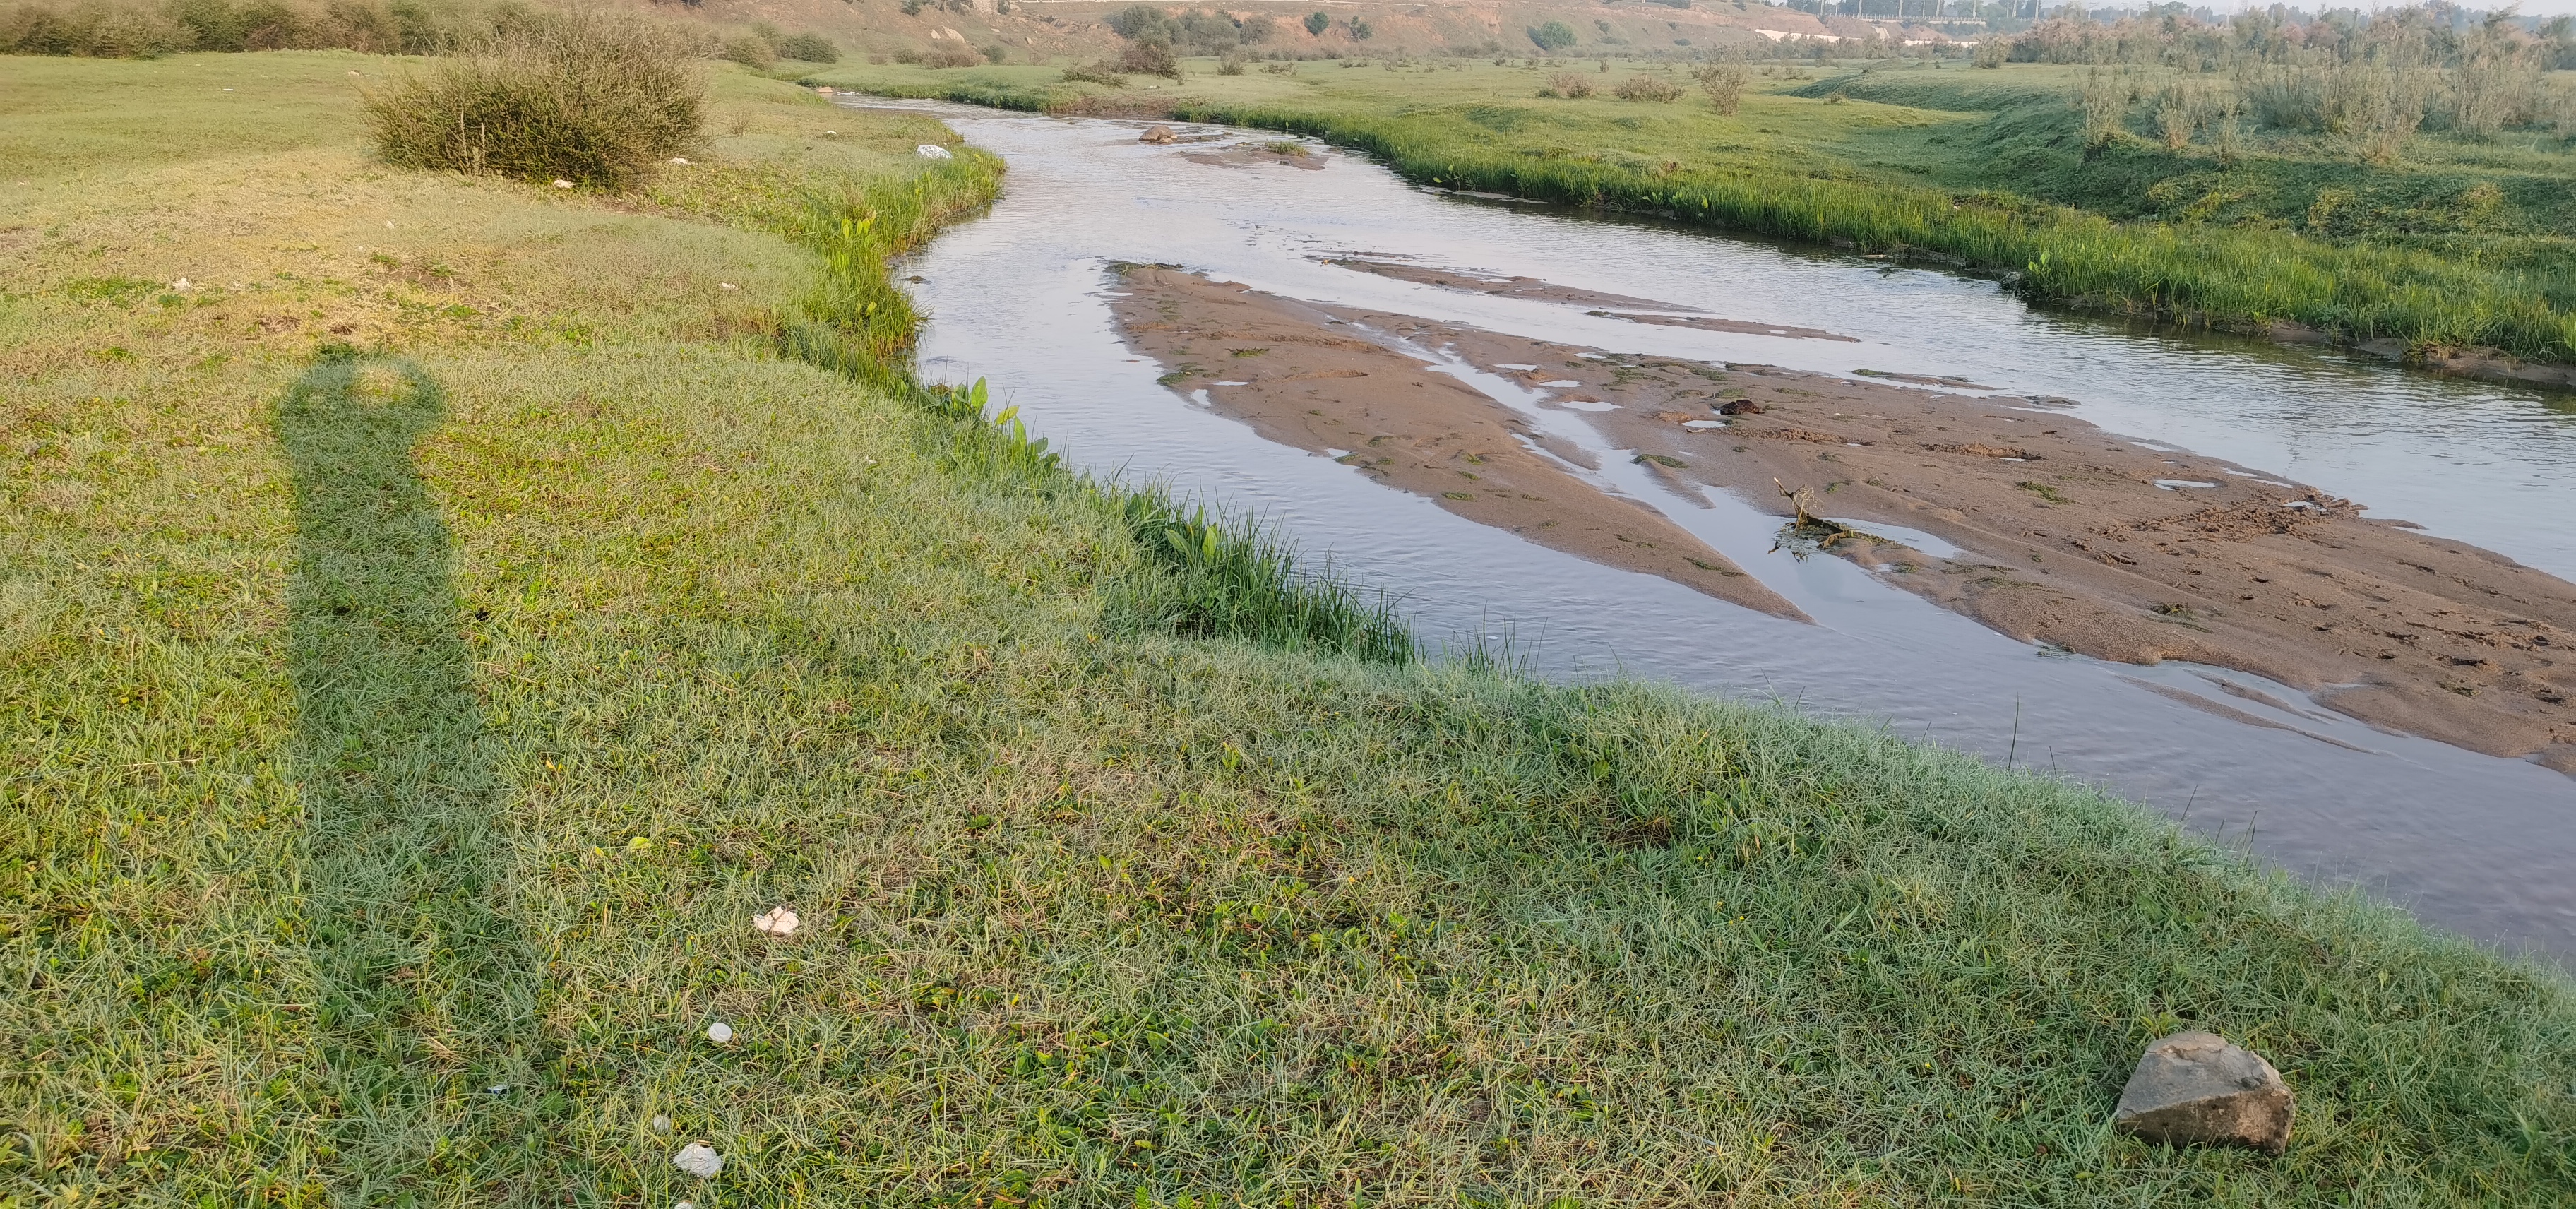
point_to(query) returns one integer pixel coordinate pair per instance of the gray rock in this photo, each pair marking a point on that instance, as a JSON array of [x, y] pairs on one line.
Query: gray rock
[[1158, 134], [2196, 1089]]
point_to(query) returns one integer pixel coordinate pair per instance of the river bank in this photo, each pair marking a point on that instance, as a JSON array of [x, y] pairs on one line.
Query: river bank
[[1811, 165], [568, 561]]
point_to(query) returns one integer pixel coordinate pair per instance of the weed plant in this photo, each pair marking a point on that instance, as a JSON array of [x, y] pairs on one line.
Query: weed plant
[[579, 96]]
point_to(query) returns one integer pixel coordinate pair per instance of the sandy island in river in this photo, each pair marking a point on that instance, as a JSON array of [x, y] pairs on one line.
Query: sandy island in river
[[2066, 535]]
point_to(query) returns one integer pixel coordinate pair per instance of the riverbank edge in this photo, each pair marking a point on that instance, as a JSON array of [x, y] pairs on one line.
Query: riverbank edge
[[2530, 345]]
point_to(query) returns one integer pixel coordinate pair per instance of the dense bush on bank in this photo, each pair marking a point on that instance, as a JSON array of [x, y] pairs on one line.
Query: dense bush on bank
[[574, 97]]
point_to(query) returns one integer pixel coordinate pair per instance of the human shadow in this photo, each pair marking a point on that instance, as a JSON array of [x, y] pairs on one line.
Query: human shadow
[[427, 995]]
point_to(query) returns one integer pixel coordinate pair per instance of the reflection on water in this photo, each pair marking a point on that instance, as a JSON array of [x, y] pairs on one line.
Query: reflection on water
[[2479, 844]]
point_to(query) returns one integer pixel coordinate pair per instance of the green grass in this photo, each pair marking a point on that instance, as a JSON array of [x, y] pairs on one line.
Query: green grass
[[1984, 169], [404, 724]]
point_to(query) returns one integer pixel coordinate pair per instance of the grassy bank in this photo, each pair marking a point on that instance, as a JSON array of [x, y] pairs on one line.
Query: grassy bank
[[1986, 169], [424, 647]]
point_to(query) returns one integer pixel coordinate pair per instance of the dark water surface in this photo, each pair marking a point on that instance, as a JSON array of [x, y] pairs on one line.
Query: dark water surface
[[2482, 845]]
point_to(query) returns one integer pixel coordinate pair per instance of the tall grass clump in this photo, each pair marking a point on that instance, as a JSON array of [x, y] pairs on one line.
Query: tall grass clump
[[1231, 578], [574, 96]]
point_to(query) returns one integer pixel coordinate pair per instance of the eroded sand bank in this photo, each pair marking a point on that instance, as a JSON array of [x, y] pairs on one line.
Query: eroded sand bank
[[2065, 534]]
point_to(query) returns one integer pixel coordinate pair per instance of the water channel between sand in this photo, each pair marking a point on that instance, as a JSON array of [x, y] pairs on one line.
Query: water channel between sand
[[2481, 844]]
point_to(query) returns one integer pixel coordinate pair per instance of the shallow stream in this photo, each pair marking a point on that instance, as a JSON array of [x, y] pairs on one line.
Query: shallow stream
[[2483, 845]]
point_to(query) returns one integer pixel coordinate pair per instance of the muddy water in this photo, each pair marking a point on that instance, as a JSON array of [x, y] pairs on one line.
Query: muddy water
[[2483, 845]]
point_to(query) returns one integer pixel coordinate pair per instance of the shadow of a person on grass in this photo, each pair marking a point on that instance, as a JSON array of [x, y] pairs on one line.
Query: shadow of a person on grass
[[427, 995]]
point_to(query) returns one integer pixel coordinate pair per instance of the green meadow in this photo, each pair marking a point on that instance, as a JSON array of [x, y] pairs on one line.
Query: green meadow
[[2458, 244], [438, 613]]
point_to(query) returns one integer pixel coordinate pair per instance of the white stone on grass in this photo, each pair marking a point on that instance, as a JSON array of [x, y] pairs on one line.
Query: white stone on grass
[[932, 151], [777, 921], [561, 183], [699, 1159], [720, 1032]]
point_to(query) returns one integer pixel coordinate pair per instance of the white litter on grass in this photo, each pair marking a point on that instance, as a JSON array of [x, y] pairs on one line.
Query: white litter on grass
[[777, 921], [686, 1205], [183, 284], [727, 285], [699, 1159], [661, 1124], [720, 1032], [933, 151], [681, 160], [561, 183]]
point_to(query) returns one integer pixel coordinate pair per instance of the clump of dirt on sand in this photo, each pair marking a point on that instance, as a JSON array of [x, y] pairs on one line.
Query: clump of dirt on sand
[[2064, 534]]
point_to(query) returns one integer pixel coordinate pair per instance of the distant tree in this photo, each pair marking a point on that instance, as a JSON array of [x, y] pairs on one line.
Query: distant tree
[[1360, 29], [1317, 23], [1555, 35]]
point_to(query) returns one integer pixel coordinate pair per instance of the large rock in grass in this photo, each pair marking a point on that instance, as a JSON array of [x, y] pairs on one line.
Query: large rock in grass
[[2196, 1089], [1158, 134]]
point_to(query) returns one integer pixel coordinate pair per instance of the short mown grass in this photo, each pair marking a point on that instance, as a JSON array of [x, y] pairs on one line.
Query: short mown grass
[[415, 676]]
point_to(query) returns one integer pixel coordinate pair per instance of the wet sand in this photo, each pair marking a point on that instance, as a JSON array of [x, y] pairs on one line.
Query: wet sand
[[2065, 534], [1304, 378]]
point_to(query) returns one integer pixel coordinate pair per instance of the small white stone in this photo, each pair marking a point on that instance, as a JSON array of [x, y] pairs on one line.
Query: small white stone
[[699, 1159], [682, 161], [183, 284], [686, 1205], [777, 921], [932, 151], [561, 183], [727, 285], [661, 1124], [720, 1032]]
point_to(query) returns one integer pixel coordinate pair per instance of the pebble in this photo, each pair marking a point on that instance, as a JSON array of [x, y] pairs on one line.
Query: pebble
[[777, 921], [699, 1159], [720, 1032]]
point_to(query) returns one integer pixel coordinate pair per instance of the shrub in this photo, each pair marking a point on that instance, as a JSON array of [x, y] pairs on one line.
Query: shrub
[[1570, 84], [576, 96], [996, 53], [1553, 36], [1095, 73], [751, 51], [1648, 88], [952, 54], [106, 33], [809, 48], [1149, 59], [1231, 65], [1724, 84], [1317, 23]]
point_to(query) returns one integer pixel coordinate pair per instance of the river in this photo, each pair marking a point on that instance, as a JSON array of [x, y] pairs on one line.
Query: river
[[2478, 844]]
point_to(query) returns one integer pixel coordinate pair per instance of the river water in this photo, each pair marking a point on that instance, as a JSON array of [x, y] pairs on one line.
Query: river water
[[2482, 845]]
